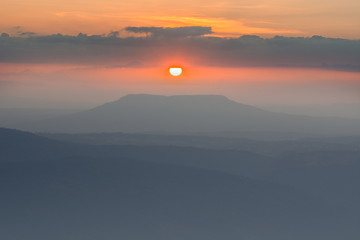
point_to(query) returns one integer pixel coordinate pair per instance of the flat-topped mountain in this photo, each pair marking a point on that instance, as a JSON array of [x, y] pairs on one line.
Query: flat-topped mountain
[[190, 114]]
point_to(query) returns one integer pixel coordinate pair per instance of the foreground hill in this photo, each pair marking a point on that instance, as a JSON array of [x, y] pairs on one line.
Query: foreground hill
[[52, 190], [191, 114]]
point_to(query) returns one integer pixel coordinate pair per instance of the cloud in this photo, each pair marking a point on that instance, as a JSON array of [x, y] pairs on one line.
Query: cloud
[[5, 35], [114, 34], [190, 44], [19, 31], [192, 31], [25, 34]]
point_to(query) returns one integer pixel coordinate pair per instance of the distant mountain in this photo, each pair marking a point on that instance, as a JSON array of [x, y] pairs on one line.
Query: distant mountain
[[326, 167], [23, 117], [190, 114], [270, 148], [52, 190]]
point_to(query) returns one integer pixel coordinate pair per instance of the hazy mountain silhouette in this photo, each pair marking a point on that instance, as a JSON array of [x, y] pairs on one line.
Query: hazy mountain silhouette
[[22, 118], [326, 167], [54, 190], [191, 114], [270, 148]]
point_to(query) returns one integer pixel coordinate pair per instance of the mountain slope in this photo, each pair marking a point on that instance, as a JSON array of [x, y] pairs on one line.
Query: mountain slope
[[72, 193]]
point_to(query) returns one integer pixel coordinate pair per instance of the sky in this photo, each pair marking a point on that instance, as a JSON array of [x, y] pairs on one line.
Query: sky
[[79, 54], [331, 18]]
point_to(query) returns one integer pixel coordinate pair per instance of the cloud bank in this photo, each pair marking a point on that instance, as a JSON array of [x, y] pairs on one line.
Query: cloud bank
[[179, 32], [192, 44]]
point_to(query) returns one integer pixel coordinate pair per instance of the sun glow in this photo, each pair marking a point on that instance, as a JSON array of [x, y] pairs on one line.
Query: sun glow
[[175, 71]]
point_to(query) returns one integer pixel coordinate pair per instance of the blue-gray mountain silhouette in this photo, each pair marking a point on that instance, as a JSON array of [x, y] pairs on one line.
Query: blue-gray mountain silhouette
[[55, 190], [191, 114]]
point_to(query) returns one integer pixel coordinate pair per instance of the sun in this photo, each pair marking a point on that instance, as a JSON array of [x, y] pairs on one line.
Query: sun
[[175, 71]]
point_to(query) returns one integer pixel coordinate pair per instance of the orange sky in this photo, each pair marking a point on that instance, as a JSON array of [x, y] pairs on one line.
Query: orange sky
[[59, 86], [84, 72], [330, 18]]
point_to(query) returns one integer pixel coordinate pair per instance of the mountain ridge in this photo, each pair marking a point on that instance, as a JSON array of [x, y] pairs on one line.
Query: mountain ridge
[[113, 192], [189, 114]]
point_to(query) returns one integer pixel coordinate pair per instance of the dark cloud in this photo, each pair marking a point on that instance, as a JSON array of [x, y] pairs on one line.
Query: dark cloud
[[114, 34], [343, 67], [188, 43], [177, 32], [27, 34], [19, 31], [5, 35]]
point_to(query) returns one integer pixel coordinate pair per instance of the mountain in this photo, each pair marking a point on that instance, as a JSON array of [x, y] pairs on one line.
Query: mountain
[[24, 117], [198, 114], [271, 148], [53, 190], [326, 167]]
